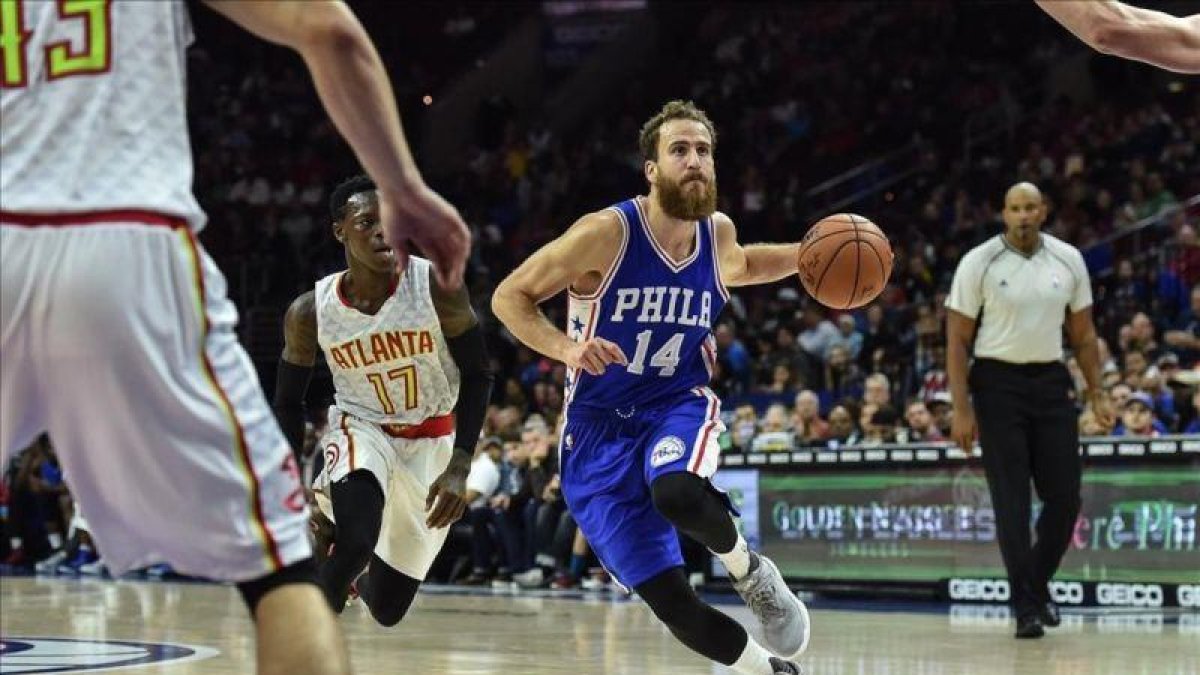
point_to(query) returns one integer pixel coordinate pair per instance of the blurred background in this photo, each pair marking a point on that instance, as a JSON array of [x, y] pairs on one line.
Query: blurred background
[[917, 116]]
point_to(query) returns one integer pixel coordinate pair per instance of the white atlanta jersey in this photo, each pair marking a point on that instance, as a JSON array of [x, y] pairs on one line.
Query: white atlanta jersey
[[93, 98], [393, 367]]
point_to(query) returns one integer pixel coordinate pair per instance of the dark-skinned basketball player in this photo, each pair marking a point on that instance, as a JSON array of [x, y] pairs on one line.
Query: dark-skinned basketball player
[[411, 387]]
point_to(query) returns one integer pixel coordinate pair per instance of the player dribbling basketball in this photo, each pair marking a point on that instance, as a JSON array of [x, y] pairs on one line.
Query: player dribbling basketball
[[646, 279]]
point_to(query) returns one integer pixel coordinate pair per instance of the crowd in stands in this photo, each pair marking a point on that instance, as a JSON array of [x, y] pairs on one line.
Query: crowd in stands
[[798, 94]]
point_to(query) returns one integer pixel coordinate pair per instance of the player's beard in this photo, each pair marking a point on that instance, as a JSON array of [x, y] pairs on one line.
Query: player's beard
[[687, 204]]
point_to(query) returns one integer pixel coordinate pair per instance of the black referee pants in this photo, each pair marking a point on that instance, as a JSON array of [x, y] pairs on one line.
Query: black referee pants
[[1028, 429]]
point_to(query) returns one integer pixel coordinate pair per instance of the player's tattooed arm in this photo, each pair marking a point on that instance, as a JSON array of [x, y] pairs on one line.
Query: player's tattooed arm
[[579, 258], [295, 367], [753, 264]]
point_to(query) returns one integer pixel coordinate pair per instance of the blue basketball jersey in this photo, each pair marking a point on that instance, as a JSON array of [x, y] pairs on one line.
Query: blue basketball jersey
[[658, 310]]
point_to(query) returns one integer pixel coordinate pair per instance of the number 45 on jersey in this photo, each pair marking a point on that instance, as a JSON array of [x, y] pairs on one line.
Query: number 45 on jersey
[[90, 55]]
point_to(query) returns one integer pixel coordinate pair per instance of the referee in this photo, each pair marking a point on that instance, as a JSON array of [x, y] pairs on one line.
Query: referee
[[1009, 301]]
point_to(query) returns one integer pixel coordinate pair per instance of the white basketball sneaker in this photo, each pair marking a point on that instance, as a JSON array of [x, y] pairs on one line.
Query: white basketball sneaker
[[783, 617]]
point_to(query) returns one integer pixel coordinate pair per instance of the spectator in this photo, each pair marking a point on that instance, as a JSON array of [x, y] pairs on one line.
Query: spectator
[[1120, 393], [842, 377], [880, 342], [848, 336], [743, 427], [547, 524], [781, 380], [921, 427], [841, 429], [819, 334], [483, 483], [807, 425], [1137, 418], [881, 427], [1154, 383], [734, 357], [1135, 367], [774, 436], [941, 407], [877, 390], [1184, 337], [1142, 336]]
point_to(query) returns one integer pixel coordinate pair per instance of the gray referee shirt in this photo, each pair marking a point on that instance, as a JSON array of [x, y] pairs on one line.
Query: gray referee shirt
[[1024, 299]]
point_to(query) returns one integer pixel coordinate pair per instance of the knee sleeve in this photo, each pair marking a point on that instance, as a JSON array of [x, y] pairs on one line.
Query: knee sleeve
[[389, 593], [676, 496], [692, 505], [358, 512]]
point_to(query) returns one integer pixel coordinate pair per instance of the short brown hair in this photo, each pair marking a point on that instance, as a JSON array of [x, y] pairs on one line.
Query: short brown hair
[[673, 110]]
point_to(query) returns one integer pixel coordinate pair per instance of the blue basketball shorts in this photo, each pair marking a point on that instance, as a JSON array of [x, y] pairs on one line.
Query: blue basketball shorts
[[608, 463]]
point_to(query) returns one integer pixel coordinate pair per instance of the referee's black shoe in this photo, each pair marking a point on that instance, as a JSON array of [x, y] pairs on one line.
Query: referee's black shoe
[[1029, 626], [1049, 614]]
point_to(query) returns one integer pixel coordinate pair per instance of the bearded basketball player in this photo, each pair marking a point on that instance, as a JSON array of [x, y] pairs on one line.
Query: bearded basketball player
[[646, 279]]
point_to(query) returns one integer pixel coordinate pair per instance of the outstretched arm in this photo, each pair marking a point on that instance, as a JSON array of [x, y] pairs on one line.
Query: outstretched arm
[[296, 367], [755, 263], [586, 250], [1111, 27], [354, 88]]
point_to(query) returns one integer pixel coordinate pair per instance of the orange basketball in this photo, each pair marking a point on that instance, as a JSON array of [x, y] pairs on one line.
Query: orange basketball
[[845, 261]]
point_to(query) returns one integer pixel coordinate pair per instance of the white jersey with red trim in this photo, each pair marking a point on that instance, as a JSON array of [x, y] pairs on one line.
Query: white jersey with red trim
[[93, 98], [393, 367]]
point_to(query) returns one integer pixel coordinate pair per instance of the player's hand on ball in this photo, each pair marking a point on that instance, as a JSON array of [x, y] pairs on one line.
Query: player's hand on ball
[[420, 216], [594, 355], [447, 498], [963, 427]]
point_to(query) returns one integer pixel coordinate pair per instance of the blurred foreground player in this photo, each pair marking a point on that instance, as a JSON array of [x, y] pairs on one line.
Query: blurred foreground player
[[115, 333], [398, 346], [1157, 38], [1009, 301], [646, 279]]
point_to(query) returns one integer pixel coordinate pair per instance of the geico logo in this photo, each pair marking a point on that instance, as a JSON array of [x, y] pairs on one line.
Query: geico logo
[[1130, 623], [1067, 592], [979, 589], [1188, 595], [1132, 595], [979, 615]]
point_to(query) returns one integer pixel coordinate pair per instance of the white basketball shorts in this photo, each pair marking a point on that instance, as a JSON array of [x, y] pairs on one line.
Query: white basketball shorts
[[116, 338], [405, 468]]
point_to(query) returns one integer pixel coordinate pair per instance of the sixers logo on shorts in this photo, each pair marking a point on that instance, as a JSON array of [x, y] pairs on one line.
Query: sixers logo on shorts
[[61, 655], [667, 450]]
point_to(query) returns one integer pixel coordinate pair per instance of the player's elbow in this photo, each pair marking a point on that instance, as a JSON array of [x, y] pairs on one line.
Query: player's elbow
[[502, 301], [1105, 35], [328, 26]]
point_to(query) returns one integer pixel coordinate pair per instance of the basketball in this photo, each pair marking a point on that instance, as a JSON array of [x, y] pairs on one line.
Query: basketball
[[844, 261]]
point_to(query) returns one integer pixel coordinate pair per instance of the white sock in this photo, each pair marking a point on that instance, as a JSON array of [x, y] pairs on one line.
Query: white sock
[[754, 660], [736, 561]]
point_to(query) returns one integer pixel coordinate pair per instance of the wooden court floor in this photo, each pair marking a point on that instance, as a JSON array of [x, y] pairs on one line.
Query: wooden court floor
[[519, 634]]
